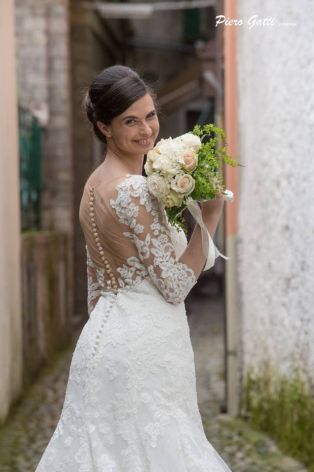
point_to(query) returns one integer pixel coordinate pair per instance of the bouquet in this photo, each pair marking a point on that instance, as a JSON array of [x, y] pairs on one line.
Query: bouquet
[[184, 171]]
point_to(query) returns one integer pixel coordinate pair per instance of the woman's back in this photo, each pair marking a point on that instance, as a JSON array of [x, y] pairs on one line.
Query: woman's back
[[128, 238]]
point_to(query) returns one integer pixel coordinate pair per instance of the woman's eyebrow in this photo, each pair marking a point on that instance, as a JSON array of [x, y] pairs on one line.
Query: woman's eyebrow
[[136, 117]]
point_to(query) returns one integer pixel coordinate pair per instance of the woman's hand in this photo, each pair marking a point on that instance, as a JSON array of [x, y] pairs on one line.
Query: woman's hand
[[211, 213]]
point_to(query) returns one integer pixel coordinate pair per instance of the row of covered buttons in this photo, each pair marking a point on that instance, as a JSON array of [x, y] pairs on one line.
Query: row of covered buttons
[[102, 324], [112, 282]]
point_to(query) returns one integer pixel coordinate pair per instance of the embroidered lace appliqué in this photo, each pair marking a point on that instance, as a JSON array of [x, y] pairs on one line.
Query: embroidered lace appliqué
[[148, 229]]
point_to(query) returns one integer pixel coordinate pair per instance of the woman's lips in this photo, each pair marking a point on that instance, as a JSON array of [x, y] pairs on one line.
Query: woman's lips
[[144, 142]]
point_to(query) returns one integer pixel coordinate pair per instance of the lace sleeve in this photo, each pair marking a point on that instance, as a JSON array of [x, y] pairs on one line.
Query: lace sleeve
[[93, 286], [149, 231]]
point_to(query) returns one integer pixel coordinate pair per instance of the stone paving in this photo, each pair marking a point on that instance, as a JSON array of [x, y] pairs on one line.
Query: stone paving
[[205, 317], [29, 428]]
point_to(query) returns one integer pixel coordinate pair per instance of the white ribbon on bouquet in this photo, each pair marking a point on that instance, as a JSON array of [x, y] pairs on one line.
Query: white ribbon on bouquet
[[210, 251]]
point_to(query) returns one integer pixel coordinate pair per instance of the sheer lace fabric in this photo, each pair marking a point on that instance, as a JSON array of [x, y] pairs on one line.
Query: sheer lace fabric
[[136, 239], [131, 402]]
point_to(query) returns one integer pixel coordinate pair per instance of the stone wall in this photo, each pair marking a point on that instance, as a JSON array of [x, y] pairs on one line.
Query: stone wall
[[43, 74], [42, 36], [43, 77], [276, 219], [46, 280]]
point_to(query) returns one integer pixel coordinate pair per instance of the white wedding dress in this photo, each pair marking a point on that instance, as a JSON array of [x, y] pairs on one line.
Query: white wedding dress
[[131, 402]]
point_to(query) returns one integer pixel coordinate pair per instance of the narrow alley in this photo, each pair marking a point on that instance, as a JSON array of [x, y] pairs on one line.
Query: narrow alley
[[28, 430]]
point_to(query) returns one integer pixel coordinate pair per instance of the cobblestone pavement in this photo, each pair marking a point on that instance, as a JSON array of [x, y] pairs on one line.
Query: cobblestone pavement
[[205, 317], [29, 428]]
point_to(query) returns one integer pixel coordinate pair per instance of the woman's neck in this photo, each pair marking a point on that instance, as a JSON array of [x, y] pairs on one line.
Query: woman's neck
[[119, 163]]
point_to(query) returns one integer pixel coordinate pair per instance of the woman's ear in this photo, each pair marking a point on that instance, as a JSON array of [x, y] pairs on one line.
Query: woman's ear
[[105, 129]]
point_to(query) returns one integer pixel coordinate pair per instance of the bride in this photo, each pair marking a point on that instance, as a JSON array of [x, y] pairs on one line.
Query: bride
[[131, 402]]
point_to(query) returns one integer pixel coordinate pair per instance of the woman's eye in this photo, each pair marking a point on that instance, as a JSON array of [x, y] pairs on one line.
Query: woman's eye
[[133, 121], [130, 122]]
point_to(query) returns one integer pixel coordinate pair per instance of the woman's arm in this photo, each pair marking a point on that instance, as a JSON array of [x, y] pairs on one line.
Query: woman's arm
[[145, 224], [193, 256]]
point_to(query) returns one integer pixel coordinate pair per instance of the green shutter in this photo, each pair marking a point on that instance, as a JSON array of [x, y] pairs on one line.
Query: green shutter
[[191, 24], [30, 169]]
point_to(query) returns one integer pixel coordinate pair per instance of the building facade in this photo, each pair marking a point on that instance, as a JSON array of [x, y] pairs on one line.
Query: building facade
[[269, 116]]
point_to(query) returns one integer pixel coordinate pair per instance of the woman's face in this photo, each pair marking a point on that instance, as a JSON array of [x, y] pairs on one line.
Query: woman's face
[[136, 129]]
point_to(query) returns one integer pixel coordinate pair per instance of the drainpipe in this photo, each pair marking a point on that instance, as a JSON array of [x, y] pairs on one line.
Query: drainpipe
[[231, 221]]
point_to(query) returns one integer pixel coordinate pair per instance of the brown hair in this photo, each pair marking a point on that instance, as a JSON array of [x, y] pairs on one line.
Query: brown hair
[[114, 90]]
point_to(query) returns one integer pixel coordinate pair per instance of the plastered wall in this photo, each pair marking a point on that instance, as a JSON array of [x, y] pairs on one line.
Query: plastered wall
[[276, 214]]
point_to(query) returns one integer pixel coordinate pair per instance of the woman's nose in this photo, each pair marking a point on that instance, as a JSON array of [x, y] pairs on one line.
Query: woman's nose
[[146, 129]]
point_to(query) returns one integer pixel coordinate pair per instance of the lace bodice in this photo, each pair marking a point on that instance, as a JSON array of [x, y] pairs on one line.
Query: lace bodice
[[131, 229]]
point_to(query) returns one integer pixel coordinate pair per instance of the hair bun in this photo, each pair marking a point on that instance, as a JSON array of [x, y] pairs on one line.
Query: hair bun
[[90, 109]]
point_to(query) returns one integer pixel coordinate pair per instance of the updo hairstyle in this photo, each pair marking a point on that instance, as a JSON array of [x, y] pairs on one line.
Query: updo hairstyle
[[114, 90]]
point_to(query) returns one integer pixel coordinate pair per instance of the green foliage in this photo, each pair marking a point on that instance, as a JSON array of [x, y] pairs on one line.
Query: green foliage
[[216, 149], [284, 408], [213, 153], [208, 174], [176, 218]]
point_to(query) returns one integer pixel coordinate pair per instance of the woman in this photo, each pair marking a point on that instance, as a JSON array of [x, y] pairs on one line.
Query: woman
[[131, 403]]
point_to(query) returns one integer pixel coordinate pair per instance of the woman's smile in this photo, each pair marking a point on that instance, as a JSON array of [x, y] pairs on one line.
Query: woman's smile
[[144, 142]]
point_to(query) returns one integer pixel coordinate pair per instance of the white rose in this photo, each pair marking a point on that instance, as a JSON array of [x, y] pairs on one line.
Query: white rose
[[172, 199], [184, 184], [148, 167], [190, 140], [168, 148], [153, 154], [166, 165], [163, 142], [157, 186]]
